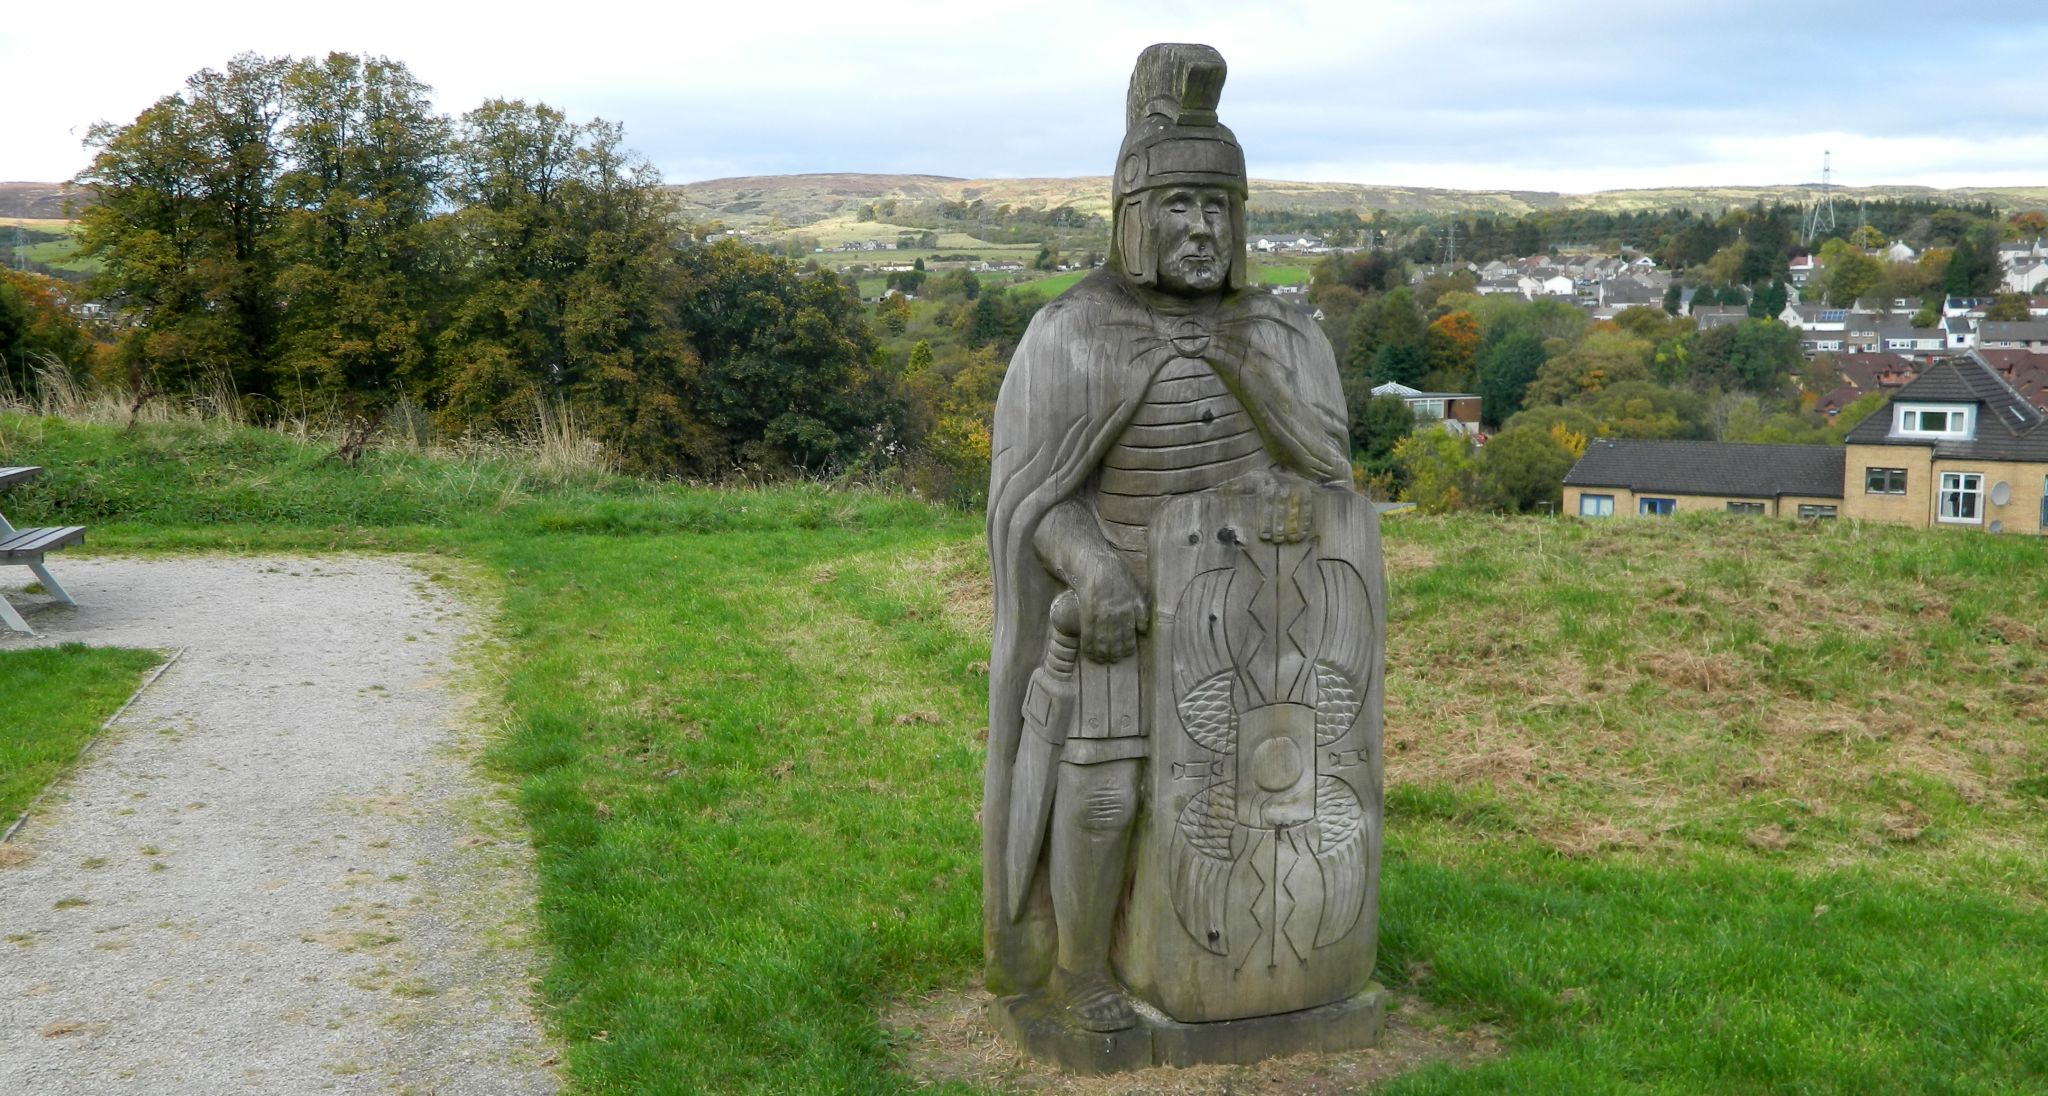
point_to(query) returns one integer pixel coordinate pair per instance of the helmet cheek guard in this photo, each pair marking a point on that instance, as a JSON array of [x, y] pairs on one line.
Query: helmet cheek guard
[[1172, 139]]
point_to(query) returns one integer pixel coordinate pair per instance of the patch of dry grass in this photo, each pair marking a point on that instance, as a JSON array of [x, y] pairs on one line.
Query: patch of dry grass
[[1834, 693]]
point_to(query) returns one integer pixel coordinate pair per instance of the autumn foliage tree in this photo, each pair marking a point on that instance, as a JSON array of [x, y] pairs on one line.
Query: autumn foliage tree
[[311, 235], [1451, 349]]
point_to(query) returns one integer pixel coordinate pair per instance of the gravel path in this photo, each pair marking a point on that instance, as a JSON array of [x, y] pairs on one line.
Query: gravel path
[[278, 871]]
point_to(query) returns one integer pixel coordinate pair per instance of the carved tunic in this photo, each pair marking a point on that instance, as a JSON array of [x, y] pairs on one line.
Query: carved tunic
[[1190, 435]]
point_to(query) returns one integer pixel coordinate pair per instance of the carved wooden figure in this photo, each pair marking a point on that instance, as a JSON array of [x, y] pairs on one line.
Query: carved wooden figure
[[1182, 806]]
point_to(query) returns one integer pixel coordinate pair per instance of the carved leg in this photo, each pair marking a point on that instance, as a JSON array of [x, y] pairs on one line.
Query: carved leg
[[1091, 830]]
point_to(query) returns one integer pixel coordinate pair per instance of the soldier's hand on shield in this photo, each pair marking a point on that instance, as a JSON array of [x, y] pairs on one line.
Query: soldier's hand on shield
[[1113, 609], [1286, 503]]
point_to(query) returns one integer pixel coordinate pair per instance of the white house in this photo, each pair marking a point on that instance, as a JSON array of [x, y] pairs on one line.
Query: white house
[[2023, 276]]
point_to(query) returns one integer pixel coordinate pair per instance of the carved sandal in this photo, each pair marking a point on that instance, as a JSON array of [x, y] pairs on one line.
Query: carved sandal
[[1097, 1002]]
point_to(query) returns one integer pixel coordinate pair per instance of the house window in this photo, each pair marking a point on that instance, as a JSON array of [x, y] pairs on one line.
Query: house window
[[1884, 481], [1596, 506], [1962, 497], [1809, 511], [1656, 507], [1745, 507], [1932, 421]]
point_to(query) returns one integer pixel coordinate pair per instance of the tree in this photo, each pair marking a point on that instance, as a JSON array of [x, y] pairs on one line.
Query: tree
[[183, 207], [1380, 425], [2009, 307], [36, 325], [1451, 348], [1522, 468], [1673, 299], [1442, 470], [1973, 268], [1764, 354], [358, 267], [1398, 363], [1400, 321], [1769, 301], [1850, 275], [501, 346], [1505, 367], [785, 374], [1374, 271], [1600, 359], [1642, 409], [893, 311], [1770, 246]]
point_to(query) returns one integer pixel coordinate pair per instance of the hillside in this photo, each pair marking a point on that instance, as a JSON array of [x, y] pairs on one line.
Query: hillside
[[36, 201], [796, 200]]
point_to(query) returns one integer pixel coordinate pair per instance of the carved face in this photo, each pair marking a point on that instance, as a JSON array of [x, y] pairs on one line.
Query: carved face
[[1192, 231]]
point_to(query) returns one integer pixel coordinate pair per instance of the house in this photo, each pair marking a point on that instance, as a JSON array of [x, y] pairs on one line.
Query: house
[[1961, 332], [1898, 252], [2026, 276], [1458, 410], [1294, 242], [1719, 315], [1959, 446], [1873, 372], [1620, 293], [1802, 269], [1557, 285], [1919, 343], [2014, 335], [1657, 478]]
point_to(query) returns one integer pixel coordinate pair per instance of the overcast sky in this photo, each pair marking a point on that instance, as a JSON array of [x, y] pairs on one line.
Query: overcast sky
[[1571, 95]]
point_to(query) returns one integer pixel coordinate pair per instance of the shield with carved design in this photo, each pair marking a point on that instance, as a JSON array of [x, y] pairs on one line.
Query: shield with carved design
[[1258, 854]]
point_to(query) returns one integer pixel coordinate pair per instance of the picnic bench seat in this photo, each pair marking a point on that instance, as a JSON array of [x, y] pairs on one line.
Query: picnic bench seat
[[25, 548]]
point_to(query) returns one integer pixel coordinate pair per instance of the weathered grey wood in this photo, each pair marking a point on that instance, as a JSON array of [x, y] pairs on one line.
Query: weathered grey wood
[[1171, 462], [25, 547], [21, 544], [1257, 864]]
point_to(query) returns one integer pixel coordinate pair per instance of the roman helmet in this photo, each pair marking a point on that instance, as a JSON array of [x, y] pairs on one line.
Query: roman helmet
[[1172, 138]]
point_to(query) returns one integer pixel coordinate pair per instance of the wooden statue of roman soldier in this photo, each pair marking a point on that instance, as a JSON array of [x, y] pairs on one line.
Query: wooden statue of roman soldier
[[1181, 815]]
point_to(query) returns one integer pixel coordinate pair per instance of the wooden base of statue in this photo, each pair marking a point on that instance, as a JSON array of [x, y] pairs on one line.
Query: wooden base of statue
[[1041, 1029]]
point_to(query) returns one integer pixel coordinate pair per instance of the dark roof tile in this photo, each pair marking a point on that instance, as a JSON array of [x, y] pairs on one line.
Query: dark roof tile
[[1710, 468]]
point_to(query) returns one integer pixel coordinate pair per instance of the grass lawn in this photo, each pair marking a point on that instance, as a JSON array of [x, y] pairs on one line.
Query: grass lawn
[[52, 699], [1683, 806], [1051, 286], [1282, 274]]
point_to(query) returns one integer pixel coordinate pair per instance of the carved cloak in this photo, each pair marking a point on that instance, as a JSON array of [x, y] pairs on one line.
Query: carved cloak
[[1079, 374]]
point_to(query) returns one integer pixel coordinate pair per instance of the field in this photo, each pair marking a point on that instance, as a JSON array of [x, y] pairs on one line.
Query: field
[[1692, 806], [55, 253]]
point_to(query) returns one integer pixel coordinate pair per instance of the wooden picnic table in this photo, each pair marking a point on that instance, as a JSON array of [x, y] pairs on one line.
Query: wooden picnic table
[[25, 548]]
